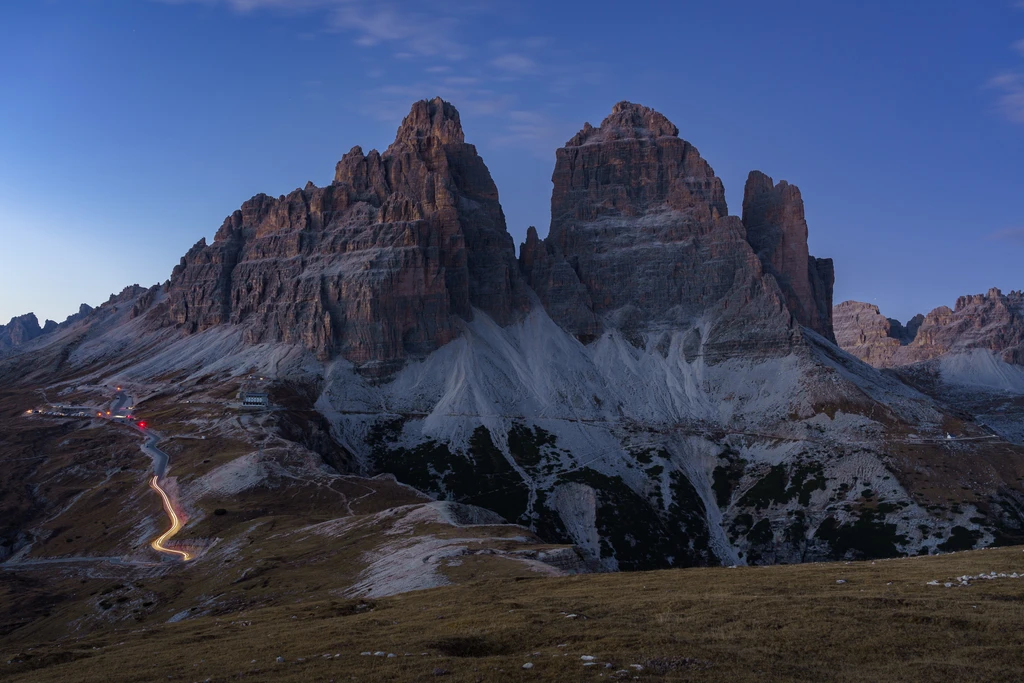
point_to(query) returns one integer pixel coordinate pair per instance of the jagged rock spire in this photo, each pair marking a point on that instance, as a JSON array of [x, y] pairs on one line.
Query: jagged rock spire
[[374, 267], [773, 215]]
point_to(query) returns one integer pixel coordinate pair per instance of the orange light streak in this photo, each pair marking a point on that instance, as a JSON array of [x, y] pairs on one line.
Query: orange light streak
[[158, 543]]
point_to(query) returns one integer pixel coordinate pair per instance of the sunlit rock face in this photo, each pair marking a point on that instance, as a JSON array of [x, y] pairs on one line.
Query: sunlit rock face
[[380, 265], [375, 267], [641, 241], [992, 321], [863, 331]]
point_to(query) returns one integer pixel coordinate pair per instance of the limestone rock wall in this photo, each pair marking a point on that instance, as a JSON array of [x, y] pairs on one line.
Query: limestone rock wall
[[20, 330], [641, 239], [993, 321], [773, 215], [375, 267], [25, 328], [382, 264], [864, 332]]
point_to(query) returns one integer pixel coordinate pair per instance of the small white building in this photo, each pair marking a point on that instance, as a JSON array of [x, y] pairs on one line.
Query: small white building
[[258, 399]]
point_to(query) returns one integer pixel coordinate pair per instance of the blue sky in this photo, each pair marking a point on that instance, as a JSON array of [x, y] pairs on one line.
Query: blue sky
[[130, 129]]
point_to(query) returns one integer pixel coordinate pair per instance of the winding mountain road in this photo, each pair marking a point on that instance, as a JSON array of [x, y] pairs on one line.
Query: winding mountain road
[[160, 459], [149, 447], [158, 456]]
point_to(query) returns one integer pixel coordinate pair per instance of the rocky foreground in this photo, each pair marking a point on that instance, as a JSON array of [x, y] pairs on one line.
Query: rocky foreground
[[953, 617]]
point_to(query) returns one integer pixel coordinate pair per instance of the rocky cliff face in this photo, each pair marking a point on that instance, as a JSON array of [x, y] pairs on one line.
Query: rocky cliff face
[[641, 240], [20, 330], [25, 328], [376, 267], [905, 333], [382, 264], [777, 231], [864, 332], [83, 310], [697, 424], [992, 321]]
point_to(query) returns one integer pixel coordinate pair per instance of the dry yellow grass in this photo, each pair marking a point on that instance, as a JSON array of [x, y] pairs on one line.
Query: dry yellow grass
[[775, 623]]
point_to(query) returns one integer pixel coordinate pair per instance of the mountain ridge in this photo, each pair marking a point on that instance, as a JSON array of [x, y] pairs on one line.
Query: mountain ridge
[[654, 383], [992, 321]]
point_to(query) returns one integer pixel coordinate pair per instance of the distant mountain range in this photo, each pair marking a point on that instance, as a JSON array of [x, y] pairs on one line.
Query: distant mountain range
[[24, 328], [656, 382], [991, 322]]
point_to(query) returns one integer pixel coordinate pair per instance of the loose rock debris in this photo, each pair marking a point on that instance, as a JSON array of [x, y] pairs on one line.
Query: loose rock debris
[[967, 579]]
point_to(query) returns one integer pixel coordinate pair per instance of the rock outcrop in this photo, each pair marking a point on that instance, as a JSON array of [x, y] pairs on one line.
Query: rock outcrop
[[83, 310], [864, 332], [641, 240], [992, 321], [777, 231], [21, 330], [905, 333], [376, 267], [25, 328]]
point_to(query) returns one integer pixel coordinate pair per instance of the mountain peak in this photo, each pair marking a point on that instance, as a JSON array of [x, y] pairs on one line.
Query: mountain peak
[[626, 122], [20, 330], [427, 119], [392, 252]]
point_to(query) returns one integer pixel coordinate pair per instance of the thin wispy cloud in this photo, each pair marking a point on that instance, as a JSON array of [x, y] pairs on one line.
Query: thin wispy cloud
[[461, 81], [538, 132], [1011, 100], [377, 23], [514, 63], [1008, 235], [250, 5], [434, 41], [425, 29], [1010, 84]]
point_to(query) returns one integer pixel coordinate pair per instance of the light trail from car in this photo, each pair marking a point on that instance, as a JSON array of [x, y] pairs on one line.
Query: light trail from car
[[158, 543]]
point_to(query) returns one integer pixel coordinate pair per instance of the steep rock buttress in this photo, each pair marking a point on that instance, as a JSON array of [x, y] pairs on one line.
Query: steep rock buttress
[[376, 266], [641, 240]]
